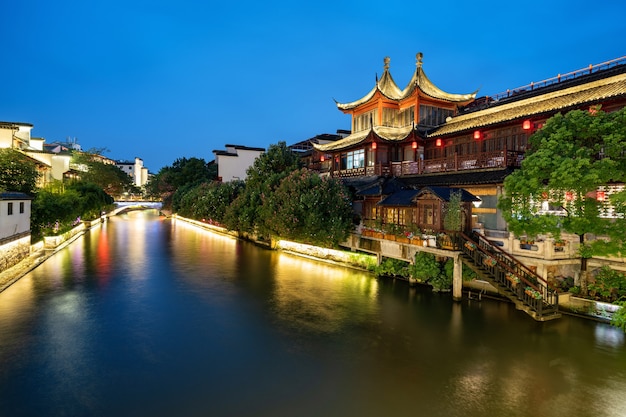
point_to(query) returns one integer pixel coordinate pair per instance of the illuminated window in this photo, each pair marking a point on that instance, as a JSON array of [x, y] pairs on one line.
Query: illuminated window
[[354, 159], [428, 214]]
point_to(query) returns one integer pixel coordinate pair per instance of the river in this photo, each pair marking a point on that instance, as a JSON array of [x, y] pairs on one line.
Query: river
[[147, 316]]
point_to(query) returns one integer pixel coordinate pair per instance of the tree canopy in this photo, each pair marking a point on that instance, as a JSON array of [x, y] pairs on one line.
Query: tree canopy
[[560, 186], [263, 177], [182, 175], [109, 177], [308, 208], [17, 172]]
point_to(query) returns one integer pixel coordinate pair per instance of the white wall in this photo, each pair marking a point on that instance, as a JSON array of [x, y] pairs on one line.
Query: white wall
[[17, 222], [233, 167]]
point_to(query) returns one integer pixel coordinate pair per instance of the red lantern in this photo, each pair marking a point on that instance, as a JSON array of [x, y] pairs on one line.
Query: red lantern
[[477, 134], [526, 125], [438, 143], [322, 158], [373, 145], [569, 196], [600, 196], [414, 145]]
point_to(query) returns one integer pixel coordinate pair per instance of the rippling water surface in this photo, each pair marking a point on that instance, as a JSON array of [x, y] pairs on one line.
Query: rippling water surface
[[151, 317]]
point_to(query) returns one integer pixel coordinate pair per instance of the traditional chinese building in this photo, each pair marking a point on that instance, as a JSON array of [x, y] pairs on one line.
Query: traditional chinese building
[[425, 137]]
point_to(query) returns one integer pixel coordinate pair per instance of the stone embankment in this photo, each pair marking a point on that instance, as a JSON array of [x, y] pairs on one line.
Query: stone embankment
[[42, 250]]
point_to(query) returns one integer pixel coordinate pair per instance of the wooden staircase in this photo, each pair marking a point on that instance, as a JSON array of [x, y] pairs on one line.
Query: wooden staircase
[[528, 291]]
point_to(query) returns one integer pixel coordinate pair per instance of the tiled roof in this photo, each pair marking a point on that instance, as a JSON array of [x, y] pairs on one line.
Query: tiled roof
[[444, 193], [399, 198], [386, 133], [388, 88], [554, 101], [13, 195]]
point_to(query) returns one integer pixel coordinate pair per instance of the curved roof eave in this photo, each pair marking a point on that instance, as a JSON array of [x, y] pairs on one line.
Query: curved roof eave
[[353, 104], [421, 81], [391, 134], [386, 86]]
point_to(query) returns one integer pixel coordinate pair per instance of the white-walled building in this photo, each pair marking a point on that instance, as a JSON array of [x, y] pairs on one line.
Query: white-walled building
[[52, 166], [233, 163], [17, 136], [15, 211], [135, 170]]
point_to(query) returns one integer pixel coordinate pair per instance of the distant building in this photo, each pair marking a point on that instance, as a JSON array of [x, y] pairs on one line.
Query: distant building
[[51, 165], [15, 211], [135, 170], [233, 163], [305, 148]]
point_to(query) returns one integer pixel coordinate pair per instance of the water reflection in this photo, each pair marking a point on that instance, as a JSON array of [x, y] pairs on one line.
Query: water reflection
[[321, 299], [148, 316]]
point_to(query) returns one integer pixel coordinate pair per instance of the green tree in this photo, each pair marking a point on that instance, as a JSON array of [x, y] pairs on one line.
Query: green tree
[[209, 201], [183, 173], [263, 177], [57, 209], [109, 177], [453, 217], [92, 199], [308, 208], [18, 172], [568, 160]]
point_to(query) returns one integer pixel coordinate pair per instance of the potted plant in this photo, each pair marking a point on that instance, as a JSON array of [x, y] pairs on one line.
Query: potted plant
[[489, 261], [391, 231], [471, 246], [512, 278], [403, 236]]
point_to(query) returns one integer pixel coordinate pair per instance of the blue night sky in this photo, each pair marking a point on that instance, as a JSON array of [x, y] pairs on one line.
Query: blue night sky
[[162, 80]]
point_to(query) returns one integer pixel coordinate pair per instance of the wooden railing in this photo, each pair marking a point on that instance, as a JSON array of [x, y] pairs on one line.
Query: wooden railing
[[483, 160], [508, 272], [559, 78]]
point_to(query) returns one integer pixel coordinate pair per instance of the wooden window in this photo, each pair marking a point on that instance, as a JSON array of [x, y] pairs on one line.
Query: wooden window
[[10, 209]]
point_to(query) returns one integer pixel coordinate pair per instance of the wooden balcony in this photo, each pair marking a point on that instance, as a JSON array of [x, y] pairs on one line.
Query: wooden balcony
[[484, 160]]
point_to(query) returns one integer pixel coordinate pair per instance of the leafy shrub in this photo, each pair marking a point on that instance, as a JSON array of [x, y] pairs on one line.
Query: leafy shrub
[[392, 267], [619, 317], [609, 285], [426, 267]]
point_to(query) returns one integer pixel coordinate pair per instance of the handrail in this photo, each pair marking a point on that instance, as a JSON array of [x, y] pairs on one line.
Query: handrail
[[516, 261], [560, 78], [509, 272]]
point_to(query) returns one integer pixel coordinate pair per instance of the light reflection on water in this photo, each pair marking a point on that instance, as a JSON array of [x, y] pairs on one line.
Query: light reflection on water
[[146, 316]]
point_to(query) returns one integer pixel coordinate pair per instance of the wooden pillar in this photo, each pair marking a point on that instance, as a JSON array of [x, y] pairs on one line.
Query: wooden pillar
[[457, 279]]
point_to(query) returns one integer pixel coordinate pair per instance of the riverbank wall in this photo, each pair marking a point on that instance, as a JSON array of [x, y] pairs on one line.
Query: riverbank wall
[[42, 250], [568, 304]]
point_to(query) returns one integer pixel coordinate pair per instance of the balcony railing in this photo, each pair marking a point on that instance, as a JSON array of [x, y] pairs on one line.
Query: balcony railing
[[495, 159], [560, 78]]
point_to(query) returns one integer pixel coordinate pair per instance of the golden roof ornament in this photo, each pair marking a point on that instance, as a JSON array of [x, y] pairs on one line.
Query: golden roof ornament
[[388, 88]]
